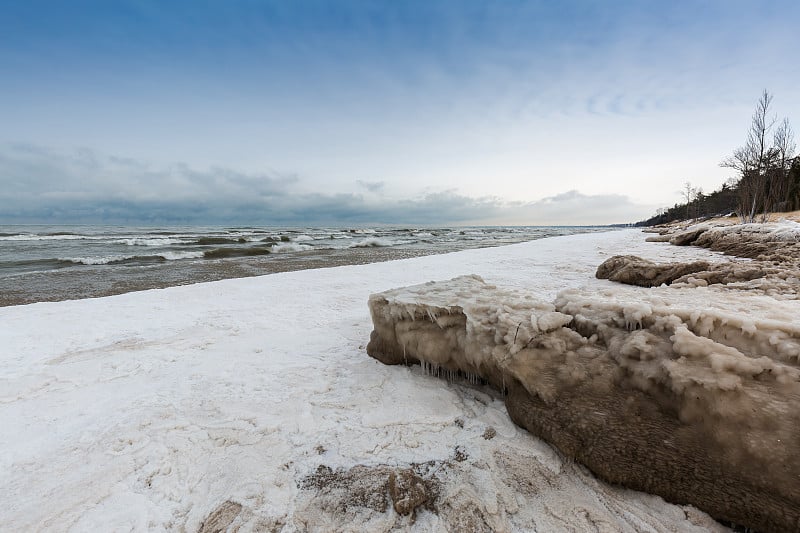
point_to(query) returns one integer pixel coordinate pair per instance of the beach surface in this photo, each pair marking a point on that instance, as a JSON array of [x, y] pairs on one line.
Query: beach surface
[[250, 403]]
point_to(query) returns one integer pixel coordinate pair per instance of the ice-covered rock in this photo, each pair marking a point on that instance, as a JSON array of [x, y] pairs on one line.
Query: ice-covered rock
[[634, 270], [772, 250], [691, 394], [688, 236]]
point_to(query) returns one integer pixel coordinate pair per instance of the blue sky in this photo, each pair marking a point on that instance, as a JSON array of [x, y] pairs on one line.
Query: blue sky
[[366, 111]]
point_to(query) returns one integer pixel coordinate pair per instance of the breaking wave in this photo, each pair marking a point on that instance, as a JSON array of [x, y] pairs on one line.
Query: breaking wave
[[49, 237], [156, 241], [291, 247], [116, 259], [377, 242]]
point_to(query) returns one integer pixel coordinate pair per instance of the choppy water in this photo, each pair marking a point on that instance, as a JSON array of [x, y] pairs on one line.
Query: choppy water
[[44, 263]]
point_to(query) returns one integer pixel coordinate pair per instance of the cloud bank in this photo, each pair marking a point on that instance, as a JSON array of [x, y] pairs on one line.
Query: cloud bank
[[38, 185]]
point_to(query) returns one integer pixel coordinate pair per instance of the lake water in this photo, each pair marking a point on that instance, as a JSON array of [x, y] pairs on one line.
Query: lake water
[[50, 263]]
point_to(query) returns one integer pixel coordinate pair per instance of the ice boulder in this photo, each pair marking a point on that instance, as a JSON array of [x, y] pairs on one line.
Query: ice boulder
[[691, 394]]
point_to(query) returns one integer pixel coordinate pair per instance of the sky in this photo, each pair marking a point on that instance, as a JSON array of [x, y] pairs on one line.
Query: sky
[[396, 112]]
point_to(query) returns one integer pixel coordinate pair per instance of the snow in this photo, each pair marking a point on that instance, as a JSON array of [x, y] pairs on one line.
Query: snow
[[148, 410]]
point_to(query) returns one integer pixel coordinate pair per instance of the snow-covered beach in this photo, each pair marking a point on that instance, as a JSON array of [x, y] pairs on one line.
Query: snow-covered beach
[[151, 410]]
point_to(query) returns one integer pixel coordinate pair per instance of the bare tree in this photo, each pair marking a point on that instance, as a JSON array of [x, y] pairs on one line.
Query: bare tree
[[753, 160], [688, 195]]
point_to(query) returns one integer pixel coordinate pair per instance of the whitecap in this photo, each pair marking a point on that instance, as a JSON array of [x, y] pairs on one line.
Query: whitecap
[[152, 241], [97, 260], [174, 256], [374, 242], [286, 248]]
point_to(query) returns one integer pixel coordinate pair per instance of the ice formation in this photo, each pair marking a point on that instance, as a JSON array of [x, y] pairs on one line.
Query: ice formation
[[634, 270], [688, 393], [779, 241], [773, 250]]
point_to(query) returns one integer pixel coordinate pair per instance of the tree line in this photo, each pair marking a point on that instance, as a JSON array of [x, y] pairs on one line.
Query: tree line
[[767, 176]]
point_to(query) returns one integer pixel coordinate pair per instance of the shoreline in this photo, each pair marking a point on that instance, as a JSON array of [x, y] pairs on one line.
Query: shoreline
[[153, 409], [95, 277], [69, 283]]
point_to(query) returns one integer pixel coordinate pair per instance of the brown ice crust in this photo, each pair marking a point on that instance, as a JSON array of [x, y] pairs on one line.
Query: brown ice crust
[[769, 259], [634, 270], [688, 393]]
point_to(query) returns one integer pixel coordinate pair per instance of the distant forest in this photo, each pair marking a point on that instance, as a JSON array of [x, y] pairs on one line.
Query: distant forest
[[766, 180]]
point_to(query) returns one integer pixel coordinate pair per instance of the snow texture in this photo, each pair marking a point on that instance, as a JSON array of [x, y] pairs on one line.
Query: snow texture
[[249, 403]]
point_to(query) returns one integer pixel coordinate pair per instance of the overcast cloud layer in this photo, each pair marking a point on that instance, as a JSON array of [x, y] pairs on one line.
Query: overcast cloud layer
[[435, 111], [92, 188]]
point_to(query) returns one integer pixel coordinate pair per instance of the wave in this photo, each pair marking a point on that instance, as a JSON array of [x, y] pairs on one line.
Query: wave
[[291, 247], [150, 241], [120, 259], [97, 260], [206, 241], [49, 237], [224, 253], [375, 242], [36, 264], [303, 237], [174, 256]]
